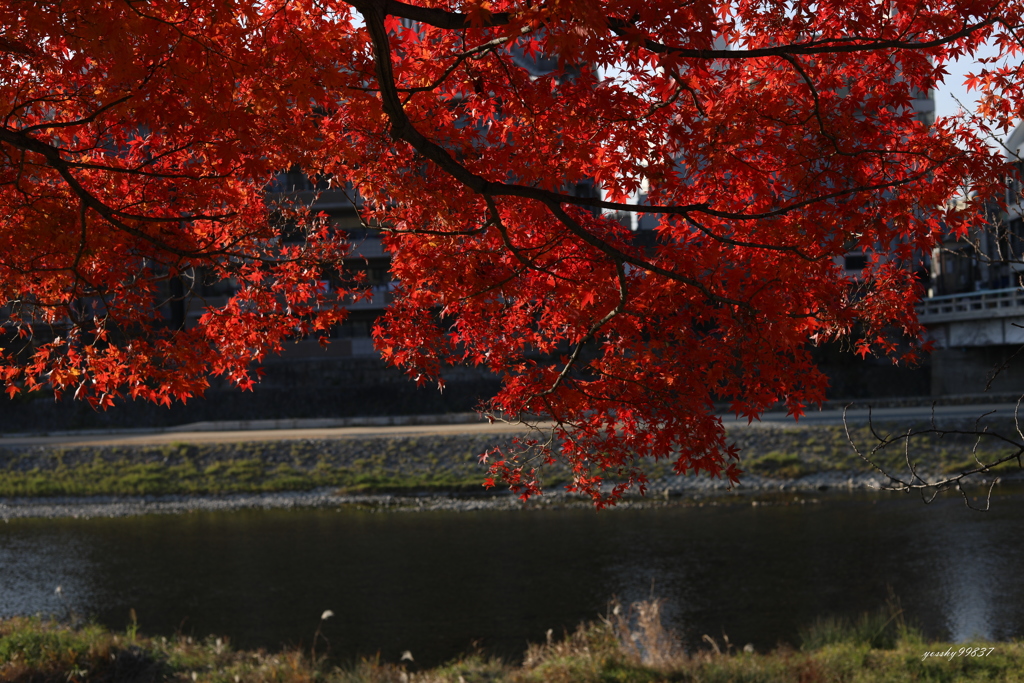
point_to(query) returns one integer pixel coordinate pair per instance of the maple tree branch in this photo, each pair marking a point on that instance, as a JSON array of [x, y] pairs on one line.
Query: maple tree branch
[[427, 231], [529, 263], [815, 47], [643, 264], [77, 122], [751, 245], [402, 128], [210, 46], [475, 52], [444, 19], [138, 170], [114, 216], [408, 231], [817, 101], [822, 128], [499, 285], [783, 210], [681, 87], [90, 201], [620, 273], [57, 162], [432, 16], [87, 200], [694, 95]]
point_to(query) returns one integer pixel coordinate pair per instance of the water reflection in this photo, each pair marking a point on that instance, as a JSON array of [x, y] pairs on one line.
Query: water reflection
[[972, 556], [436, 583], [37, 559]]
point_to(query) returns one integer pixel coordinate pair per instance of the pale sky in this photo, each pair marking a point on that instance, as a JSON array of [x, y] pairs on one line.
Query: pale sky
[[945, 104]]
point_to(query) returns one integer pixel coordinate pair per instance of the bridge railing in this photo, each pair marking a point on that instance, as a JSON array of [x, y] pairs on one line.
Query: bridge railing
[[992, 303]]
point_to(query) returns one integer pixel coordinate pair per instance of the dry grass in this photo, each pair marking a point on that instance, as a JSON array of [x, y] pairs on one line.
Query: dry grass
[[628, 645]]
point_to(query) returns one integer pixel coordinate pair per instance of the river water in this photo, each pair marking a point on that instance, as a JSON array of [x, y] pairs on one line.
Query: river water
[[440, 583]]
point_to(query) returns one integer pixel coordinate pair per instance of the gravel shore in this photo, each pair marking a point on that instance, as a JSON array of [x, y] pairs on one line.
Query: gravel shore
[[420, 472], [753, 489]]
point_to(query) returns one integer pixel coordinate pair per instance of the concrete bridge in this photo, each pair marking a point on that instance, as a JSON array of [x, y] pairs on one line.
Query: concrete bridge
[[976, 337]]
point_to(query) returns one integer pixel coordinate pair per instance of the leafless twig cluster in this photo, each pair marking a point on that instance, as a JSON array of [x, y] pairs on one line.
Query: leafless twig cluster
[[914, 479]]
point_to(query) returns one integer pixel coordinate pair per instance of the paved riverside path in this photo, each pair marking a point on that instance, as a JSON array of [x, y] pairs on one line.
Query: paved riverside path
[[260, 430], [325, 429], [909, 414]]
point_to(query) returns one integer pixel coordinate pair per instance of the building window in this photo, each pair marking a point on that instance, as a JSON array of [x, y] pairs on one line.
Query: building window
[[855, 261]]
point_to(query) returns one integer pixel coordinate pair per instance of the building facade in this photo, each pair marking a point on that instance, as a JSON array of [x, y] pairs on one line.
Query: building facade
[[974, 311]]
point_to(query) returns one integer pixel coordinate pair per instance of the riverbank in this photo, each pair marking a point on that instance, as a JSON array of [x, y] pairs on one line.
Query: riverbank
[[429, 471], [628, 644]]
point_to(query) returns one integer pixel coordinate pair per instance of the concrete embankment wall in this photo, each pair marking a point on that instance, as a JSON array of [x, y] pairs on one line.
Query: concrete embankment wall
[[300, 388], [333, 387]]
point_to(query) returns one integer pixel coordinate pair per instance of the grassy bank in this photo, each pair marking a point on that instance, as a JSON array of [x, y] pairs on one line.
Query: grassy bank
[[423, 463], [355, 465], [629, 645], [793, 452]]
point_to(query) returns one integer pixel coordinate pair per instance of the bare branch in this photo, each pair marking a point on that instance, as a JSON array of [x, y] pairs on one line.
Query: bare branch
[[930, 489]]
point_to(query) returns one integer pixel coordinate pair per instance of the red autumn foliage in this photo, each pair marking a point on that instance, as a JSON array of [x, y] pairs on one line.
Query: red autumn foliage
[[767, 139]]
